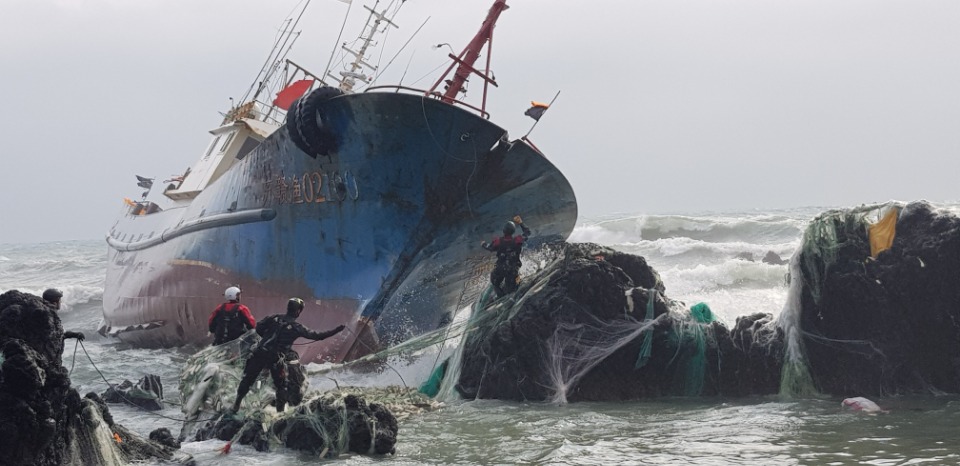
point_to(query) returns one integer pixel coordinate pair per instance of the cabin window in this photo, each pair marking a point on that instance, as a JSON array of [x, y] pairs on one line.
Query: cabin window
[[248, 145], [226, 142], [210, 149]]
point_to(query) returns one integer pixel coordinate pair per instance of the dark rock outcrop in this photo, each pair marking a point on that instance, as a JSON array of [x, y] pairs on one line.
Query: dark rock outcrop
[[325, 426], [884, 326], [163, 436], [769, 258], [773, 258], [552, 330], [852, 325], [147, 393], [43, 421]]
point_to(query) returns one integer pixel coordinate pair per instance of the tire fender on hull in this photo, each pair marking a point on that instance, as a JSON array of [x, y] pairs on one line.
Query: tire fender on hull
[[305, 123]]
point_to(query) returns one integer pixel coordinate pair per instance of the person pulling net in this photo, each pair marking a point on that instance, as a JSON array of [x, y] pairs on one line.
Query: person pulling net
[[277, 332]]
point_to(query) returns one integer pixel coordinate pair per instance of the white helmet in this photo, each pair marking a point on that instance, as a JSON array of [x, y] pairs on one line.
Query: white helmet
[[232, 293]]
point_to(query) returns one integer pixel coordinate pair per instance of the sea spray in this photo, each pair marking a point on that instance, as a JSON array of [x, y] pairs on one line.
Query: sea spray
[[454, 362]]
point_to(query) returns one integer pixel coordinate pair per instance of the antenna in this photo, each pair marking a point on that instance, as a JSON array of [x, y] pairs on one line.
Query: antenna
[[354, 72], [280, 49]]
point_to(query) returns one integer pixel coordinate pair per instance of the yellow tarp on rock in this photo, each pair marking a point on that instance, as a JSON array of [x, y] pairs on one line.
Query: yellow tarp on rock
[[881, 234]]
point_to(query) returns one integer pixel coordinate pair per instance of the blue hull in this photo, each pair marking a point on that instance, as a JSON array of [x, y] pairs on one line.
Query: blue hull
[[381, 235]]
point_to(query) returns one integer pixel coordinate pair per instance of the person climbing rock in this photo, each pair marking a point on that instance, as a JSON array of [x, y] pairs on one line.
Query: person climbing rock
[[508, 248], [52, 297], [230, 319], [277, 333]]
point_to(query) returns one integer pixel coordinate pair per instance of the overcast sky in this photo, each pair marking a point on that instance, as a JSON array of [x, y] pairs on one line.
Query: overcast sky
[[666, 106]]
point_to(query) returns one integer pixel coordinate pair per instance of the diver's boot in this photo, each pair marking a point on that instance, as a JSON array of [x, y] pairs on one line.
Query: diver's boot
[[241, 392], [281, 405]]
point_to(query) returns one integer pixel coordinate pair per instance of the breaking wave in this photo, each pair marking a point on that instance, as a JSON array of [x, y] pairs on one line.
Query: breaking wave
[[74, 267], [766, 228]]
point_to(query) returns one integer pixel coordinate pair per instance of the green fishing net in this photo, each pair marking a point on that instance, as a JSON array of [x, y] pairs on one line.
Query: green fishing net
[[692, 335]]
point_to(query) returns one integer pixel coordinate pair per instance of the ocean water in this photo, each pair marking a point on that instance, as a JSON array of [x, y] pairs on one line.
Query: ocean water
[[700, 258]]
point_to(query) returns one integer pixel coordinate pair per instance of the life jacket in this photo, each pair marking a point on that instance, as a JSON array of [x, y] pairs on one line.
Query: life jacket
[[231, 324], [508, 250]]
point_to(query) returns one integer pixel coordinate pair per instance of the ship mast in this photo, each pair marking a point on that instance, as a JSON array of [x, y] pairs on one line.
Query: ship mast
[[469, 56], [350, 76], [280, 50]]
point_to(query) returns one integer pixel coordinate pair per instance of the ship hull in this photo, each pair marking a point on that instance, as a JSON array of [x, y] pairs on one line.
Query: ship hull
[[382, 235]]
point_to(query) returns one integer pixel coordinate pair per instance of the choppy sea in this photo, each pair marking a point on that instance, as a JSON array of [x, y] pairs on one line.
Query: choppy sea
[[701, 257]]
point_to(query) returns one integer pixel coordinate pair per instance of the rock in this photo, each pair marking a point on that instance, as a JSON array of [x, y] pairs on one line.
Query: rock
[[581, 328], [885, 326], [164, 437], [146, 393], [43, 420], [576, 331], [324, 425], [316, 427], [773, 258]]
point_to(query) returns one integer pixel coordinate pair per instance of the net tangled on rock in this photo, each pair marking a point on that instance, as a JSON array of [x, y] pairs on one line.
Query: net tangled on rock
[[359, 420], [595, 324], [325, 425], [209, 378]]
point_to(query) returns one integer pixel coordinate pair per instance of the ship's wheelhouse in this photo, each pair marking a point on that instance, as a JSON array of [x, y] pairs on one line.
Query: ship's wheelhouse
[[229, 145]]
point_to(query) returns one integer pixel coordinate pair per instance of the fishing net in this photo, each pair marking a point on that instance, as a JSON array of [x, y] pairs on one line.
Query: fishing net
[[647, 346], [574, 349], [838, 233], [325, 426], [558, 331], [847, 236], [360, 420], [431, 387], [209, 380], [692, 336], [441, 382], [795, 379]]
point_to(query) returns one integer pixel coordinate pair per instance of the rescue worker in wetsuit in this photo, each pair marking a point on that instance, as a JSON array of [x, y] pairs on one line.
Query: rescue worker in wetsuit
[[52, 297], [508, 248], [230, 319], [277, 334]]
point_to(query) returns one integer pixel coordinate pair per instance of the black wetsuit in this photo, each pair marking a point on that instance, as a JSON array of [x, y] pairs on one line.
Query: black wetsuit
[[277, 333], [505, 273]]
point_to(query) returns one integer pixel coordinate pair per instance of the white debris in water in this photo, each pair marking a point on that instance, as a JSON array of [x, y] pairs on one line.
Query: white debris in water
[[861, 404]]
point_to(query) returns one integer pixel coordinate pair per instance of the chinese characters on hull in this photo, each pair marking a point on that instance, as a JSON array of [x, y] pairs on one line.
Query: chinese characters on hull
[[312, 187]]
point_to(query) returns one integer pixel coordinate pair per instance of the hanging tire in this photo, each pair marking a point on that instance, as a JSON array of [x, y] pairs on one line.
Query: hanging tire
[[305, 123]]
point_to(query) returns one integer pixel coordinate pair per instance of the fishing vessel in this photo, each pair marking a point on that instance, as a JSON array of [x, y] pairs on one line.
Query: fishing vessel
[[368, 201]]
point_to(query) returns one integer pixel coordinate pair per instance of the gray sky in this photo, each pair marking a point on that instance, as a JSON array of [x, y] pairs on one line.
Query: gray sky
[[667, 106]]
